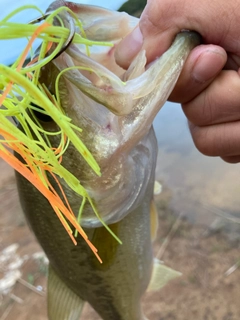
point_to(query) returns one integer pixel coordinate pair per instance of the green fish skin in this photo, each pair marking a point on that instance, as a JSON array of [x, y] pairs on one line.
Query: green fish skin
[[133, 7], [116, 119]]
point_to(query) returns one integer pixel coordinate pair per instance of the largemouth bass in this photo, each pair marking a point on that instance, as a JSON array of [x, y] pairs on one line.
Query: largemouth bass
[[115, 108]]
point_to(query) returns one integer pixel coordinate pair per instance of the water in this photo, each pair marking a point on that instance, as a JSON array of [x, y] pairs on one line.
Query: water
[[202, 187]]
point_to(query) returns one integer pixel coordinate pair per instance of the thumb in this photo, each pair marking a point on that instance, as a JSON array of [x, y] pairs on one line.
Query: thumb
[[154, 33], [161, 20]]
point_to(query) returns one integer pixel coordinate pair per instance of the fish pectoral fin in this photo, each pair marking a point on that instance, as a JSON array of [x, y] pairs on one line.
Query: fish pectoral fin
[[63, 303], [161, 275]]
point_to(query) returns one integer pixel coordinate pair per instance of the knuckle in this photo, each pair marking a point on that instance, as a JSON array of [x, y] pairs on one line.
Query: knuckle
[[204, 141]]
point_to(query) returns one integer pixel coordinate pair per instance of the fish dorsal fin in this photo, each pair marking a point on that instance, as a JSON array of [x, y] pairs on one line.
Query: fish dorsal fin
[[153, 220], [63, 303], [161, 275]]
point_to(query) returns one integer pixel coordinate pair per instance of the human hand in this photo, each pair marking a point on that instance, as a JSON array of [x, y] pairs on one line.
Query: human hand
[[210, 96]]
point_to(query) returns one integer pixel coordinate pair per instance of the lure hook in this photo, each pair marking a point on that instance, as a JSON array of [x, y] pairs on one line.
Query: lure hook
[[68, 23]]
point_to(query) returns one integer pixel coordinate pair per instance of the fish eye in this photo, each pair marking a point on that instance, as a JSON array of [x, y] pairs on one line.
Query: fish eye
[[40, 115]]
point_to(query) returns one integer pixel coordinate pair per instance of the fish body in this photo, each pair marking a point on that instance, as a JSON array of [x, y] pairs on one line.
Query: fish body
[[100, 284], [116, 119]]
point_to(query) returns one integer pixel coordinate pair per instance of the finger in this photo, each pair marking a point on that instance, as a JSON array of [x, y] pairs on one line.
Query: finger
[[217, 140], [218, 103], [233, 62], [162, 20], [203, 64], [231, 159], [128, 48]]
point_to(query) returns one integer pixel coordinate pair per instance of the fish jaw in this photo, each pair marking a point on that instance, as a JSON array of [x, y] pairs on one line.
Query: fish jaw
[[115, 115], [99, 23], [118, 142]]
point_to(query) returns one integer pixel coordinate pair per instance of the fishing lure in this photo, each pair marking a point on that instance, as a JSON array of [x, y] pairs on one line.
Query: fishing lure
[[20, 97]]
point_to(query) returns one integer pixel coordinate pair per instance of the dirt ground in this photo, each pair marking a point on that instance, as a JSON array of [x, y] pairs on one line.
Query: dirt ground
[[209, 288]]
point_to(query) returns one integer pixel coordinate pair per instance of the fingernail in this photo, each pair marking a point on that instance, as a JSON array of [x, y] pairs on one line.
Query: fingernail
[[129, 47], [208, 65]]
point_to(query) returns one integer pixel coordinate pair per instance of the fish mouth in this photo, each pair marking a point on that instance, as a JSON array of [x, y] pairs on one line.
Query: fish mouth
[[114, 107]]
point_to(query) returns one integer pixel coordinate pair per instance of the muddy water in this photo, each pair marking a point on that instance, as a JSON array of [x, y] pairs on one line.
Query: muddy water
[[203, 188]]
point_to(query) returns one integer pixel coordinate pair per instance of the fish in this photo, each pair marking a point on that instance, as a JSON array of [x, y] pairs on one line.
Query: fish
[[115, 109]]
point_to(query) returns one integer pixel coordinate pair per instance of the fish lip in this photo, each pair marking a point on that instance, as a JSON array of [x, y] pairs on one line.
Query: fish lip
[[68, 23]]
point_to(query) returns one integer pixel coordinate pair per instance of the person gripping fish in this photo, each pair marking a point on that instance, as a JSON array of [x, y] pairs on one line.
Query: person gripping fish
[[115, 108]]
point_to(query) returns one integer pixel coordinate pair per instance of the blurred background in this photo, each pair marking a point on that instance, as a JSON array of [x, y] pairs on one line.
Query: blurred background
[[199, 215]]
